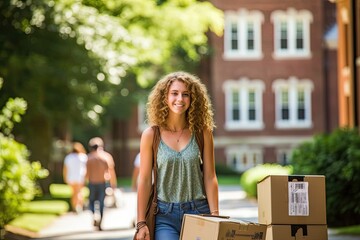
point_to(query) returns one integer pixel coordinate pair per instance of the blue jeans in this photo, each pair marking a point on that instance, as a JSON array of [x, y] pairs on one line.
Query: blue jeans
[[170, 215], [97, 193]]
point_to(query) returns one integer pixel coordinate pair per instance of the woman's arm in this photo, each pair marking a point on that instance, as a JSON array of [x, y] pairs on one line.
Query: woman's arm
[[145, 177], [210, 179]]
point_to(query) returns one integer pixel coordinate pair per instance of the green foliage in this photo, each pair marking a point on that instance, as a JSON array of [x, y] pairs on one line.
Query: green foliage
[[18, 178], [78, 64], [17, 175], [252, 176], [222, 169], [336, 156], [11, 113]]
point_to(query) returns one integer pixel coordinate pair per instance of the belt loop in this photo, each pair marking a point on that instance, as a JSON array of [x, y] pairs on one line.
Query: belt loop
[[171, 205], [192, 205]]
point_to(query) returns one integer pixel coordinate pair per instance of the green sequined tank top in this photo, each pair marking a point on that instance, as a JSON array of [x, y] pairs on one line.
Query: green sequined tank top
[[180, 178]]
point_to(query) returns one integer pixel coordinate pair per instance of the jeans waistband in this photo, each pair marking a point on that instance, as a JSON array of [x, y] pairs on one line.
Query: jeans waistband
[[185, 205]]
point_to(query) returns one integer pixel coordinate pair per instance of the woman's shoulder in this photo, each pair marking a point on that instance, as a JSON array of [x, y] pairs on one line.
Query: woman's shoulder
[[205, 131], [148, 133]]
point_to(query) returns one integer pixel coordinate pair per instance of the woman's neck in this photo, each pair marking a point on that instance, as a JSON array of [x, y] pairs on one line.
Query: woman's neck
[[176, 124]]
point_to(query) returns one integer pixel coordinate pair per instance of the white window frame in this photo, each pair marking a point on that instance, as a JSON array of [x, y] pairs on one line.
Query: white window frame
[[238, 153], [243, 86], [241, 18], [291, 17], [293, 85]]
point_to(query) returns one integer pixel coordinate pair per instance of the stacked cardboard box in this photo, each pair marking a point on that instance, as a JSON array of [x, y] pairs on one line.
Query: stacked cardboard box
[[200, 227], [293, 207]]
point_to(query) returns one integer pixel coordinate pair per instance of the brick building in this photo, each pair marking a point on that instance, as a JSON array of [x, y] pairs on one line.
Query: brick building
[[272, 84], [272, 79], [348, 21]]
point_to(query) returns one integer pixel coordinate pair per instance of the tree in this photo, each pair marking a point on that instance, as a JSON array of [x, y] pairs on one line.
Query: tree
[[77, 62], [52, 72]]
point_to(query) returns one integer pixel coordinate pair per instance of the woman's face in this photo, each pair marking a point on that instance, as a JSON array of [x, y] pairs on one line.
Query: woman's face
[[178, 97]]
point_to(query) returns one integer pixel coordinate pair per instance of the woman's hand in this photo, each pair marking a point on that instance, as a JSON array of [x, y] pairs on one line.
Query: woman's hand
[[215, 213], [143, 233]]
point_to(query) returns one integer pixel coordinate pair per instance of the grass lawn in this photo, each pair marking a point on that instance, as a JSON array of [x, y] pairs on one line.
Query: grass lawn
[[58, 190], [56, 207], [33, 222], [38, 214], [124, 182], [229, 180], [350, 230]]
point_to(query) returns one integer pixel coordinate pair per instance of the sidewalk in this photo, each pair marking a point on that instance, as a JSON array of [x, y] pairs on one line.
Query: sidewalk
[[118, 222]]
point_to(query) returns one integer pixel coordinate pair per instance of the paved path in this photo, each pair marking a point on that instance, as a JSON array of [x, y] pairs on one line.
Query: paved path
[[118, 222]]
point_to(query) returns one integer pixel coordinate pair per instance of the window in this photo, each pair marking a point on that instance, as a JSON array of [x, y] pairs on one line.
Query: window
[[252, 105], [283, 156], [243, 103], [292, 33], [283, 35], [234, 37], [284, 103], [293, 103], [301, 104], [243, 34], [241, 158]]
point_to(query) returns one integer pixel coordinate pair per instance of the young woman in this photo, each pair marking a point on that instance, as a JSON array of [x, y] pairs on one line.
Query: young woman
[[179, 104], [74, 172]]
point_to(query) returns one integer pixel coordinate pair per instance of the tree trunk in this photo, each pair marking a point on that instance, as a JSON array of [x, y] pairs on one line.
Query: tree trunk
[[120, 149], [39, 139]]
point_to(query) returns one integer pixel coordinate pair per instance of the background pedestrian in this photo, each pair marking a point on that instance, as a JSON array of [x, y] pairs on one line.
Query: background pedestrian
[[135, 174], [74, 171], [100, 174]]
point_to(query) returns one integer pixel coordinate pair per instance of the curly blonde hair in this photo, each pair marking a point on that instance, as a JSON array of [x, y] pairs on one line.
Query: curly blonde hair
[[200, 114]]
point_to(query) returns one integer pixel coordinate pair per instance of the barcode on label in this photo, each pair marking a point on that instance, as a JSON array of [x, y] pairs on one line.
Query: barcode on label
[[298, 198]]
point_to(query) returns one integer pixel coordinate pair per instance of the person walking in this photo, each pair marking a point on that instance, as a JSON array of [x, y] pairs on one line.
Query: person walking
[[74, 171], [100, 173], [187, 184], [135, 174]]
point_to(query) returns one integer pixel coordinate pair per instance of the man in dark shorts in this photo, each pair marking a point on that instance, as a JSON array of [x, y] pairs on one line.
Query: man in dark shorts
[[100, 172]]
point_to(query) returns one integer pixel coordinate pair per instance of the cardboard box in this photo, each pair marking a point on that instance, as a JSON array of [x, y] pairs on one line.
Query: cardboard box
[[196, 227], [296, 232], [292, 199]]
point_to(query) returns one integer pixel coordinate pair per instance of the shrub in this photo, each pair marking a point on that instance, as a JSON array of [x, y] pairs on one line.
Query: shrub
[[252, 176], [337, 156], [17, 175]]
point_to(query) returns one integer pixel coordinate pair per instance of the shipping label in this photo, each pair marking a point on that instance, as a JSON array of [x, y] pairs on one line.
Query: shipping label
[[298, 198]]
